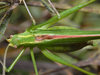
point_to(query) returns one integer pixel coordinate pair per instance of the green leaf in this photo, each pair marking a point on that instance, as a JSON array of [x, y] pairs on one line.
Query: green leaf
[[5, 23]]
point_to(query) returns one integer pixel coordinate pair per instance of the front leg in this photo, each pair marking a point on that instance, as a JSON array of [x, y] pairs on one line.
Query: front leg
[[53, 57], [14, 62]]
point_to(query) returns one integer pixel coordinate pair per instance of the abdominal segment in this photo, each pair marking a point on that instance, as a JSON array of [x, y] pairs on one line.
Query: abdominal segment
[[68, 47], [63, 47]]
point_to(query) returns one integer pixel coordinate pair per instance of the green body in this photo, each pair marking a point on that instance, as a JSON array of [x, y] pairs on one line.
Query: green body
[[59, 45]]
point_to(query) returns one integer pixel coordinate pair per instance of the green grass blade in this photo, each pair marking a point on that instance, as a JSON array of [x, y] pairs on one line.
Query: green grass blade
[[4, 23]]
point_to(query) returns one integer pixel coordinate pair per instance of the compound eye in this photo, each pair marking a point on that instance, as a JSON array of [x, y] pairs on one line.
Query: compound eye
[[11, 36]]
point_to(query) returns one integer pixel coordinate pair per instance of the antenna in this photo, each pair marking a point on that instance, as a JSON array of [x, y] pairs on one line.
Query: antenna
[[4, 60], [3, 36]]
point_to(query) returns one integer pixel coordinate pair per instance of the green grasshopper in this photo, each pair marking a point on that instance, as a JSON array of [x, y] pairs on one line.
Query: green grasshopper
[[53, 39]]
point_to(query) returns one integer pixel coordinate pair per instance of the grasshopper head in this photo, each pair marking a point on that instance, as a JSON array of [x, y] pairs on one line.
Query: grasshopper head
[[23, 39], [14, 41]]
